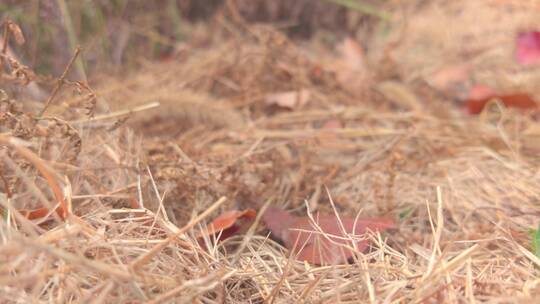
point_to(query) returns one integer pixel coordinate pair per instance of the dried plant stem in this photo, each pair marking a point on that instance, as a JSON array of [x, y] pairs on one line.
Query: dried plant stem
[[78, 260], [140, 261], [60, 82], [112, 115], [5, 37], [44, 170], [72, 36], [209, 280]]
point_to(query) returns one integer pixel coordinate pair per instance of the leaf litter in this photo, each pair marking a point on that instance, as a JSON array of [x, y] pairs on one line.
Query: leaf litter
[[462, 184], [328, 240]]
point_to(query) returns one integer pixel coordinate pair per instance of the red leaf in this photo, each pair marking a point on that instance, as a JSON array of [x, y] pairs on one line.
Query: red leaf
[[528, 47], [480, 95], [307, 244], [230, 222], [35, 213], [278, 220]]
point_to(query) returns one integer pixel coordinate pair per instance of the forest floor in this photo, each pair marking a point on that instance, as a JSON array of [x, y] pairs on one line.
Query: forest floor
[[380, 124]]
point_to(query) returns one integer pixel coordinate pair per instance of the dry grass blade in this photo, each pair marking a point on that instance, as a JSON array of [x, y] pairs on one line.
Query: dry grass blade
[[59, 82], [77, 260], [120, 113], [209, 281], [44, 169], [140, 261]]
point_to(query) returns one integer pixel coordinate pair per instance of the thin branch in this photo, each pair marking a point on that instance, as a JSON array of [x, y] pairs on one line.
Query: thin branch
[[60, 81]]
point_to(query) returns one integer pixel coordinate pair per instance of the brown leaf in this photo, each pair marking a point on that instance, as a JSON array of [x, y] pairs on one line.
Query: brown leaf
[[230, 222], [289, 100], [307, 244], [480, 95]]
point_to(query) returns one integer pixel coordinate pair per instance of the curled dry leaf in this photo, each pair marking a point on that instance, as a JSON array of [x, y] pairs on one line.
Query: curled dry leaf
[[480, 95], [528, 47], [307, 243], [230, 222], [289, 100]]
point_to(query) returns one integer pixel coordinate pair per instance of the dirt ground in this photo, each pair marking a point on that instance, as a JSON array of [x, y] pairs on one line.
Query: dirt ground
[[243, 115]]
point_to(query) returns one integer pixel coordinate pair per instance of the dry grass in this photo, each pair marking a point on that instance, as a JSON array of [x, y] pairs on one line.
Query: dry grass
[[463, 189]]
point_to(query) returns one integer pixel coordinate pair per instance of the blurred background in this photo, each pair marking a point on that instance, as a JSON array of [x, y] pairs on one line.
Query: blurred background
[[417, 40], [118, 33]]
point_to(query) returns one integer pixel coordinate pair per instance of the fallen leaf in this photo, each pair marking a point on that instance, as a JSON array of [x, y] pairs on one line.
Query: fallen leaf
[[229, 223], [450, 79], [352, 53], [289, 100], [350, 69], [35, 213], [480, 95], [134, 203], [332, 124], [307, 244], [480, 92], [528, 47]]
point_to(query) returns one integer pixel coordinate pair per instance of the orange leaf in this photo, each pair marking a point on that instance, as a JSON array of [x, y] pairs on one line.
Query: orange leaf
[[480, 95], [230, 222], [308, 244]]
